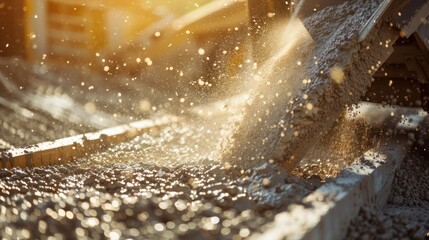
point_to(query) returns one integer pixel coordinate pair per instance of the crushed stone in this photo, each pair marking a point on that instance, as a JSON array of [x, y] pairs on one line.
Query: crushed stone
[[164, 184]]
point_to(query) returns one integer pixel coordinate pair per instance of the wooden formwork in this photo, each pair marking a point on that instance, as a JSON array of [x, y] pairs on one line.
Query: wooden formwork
[[66, 149]]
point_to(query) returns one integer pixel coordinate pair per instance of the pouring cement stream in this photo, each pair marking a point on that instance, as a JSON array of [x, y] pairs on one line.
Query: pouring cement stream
[[303, 90]]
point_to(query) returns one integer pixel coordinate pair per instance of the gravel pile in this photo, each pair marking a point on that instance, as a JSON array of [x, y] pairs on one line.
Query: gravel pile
[[113, 202], [162, 185]]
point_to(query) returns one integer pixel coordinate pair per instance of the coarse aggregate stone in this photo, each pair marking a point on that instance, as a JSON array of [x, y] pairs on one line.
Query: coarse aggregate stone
[[146, 188]]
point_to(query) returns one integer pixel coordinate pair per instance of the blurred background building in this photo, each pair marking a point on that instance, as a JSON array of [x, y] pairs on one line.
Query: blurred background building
[[75, 31], [12, 29]]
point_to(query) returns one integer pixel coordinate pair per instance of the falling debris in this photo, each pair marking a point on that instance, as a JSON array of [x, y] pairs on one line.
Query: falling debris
[[285, 132]]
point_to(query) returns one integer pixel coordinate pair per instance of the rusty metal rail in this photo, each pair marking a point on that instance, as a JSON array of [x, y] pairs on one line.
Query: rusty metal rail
[[66, 149]]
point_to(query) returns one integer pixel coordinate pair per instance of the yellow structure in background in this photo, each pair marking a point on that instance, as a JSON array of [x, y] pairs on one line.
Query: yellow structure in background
[[115, 37], [76, 31]]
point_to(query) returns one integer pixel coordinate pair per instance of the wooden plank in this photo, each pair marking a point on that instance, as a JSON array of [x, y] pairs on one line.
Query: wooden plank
[[66, 149]]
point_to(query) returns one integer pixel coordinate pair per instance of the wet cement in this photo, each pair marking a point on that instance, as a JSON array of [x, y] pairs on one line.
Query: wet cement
[[303, 90]]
